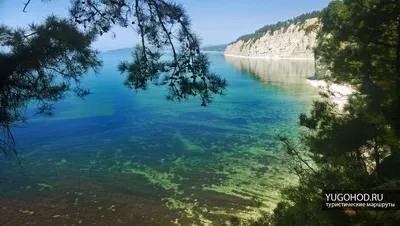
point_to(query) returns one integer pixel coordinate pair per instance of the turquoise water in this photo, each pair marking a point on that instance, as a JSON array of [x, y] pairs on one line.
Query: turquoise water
[[126, 158]]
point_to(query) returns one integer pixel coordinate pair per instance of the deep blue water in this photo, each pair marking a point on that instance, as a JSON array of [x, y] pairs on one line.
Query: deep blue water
[[122, 156]]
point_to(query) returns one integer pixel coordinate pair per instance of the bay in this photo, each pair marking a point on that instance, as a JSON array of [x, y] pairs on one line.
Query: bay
[[122, 157]]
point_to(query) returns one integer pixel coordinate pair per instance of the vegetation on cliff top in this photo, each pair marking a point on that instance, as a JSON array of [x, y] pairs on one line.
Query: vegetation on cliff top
[[277, 26]]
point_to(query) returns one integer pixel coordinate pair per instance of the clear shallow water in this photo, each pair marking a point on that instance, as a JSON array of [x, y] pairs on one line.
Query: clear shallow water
[[120, 157]]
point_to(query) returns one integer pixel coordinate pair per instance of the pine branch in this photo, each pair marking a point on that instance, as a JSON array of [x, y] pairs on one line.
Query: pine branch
[[26, 5]]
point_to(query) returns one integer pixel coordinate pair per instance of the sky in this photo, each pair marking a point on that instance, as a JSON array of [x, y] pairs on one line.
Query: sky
[[217, 21]]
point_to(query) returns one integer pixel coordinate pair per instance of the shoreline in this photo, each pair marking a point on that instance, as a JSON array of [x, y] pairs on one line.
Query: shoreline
[[341, 92], [269, 58], [209, 51]]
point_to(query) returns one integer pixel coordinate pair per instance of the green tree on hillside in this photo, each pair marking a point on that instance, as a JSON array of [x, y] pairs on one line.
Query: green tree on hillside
[[45, 62], [359, 147], [277, 26]]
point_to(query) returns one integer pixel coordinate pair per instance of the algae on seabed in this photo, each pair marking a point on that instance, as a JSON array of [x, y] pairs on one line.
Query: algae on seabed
[[188, 145]]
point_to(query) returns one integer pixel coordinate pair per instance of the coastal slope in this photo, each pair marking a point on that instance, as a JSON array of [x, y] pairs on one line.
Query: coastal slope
[[296, 40]]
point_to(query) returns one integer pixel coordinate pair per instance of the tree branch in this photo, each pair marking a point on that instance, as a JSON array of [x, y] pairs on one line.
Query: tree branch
[[293, 152], [169, 39], [96, 9], [26, 5], [164, 28]]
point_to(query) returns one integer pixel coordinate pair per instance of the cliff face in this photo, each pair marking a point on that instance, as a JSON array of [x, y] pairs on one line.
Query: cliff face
[[290, 42]]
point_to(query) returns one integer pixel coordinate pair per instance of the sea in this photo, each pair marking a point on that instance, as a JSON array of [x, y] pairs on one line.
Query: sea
[[126, 157]]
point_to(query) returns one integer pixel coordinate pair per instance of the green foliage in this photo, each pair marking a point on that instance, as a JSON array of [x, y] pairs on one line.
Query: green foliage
[[162, 26], [247, 37], [275, 27], [358, 147], [41, 65], [311, 28]]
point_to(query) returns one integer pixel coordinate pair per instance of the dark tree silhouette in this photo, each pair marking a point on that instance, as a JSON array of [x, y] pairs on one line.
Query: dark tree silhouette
[[40, 65], [161, 25], [44, 63]]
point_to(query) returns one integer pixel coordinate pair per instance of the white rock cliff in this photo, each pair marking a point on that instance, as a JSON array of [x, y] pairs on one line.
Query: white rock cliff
[[291, 42]]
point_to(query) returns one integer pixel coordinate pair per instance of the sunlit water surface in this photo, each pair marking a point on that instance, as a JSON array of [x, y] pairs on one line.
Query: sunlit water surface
[[120, 157]]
